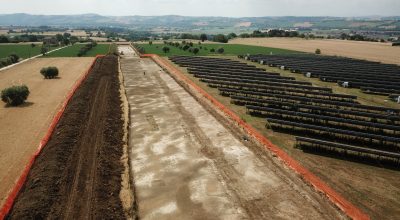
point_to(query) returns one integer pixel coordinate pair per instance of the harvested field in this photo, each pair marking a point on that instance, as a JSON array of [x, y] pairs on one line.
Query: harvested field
[[188, 162], [78, 173], [23, 127], [382, 52]]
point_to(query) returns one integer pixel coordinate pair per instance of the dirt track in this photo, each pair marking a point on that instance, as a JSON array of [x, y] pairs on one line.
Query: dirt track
[[78, 174], [189, 165], [23, 127], [382, 52]]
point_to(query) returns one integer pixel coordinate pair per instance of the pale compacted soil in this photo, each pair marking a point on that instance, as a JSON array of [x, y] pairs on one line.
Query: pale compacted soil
[[187, 165], [22, 128]]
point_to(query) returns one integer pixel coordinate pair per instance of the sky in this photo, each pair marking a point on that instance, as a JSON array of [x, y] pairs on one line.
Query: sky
[[226, 8]]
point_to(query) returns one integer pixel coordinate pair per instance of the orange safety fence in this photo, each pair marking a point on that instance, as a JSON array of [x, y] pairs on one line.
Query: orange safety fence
[[5, 209], [351, 210]]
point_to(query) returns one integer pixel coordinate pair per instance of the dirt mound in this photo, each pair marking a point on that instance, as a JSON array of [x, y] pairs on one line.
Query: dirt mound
[[78, 174]]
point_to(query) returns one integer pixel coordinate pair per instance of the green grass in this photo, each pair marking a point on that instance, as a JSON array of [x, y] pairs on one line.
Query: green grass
[[230, 50], [22, 50], [73, 50]]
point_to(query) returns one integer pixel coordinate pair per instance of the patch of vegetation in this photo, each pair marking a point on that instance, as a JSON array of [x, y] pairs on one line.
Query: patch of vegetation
[[72, 51], [188, 48], [11, 59], [49, 72], [15, 95]]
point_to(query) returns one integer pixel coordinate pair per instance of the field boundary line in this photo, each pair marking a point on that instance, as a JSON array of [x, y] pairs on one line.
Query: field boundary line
[[5, 209], [30, 58], [319, 185]]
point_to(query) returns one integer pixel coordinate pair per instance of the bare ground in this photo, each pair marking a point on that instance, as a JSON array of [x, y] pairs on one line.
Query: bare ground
[[23, 127], [374, 51], [188, 164], [78, 173], [372, 188]]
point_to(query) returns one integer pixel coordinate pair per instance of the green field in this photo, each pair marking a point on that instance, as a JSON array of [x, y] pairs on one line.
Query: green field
[[73, 50], [230, 49], [22, 50]]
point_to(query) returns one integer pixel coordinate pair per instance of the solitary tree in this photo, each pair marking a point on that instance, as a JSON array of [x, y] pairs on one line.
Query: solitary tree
[[150, 42], [165, 49], [203, 37], [220, 50], [15, 95], [195, 50], [317, 51]]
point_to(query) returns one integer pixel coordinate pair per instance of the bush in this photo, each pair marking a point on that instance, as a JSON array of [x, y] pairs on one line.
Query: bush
[[165, 49], [15, 95], [212, 50], [14, 58], [317, 51], [49, 72], [186, 47], [221, 50]]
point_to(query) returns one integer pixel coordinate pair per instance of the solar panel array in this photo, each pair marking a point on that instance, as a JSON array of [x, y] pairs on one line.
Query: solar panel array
[[320, 117], [370, 77]]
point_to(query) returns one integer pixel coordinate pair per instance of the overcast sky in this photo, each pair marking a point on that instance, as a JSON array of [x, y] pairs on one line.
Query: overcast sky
[[230, 8]]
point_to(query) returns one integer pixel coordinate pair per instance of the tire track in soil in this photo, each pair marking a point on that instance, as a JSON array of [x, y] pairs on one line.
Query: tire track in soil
[[78, 173], [79, 202], [255, 207]]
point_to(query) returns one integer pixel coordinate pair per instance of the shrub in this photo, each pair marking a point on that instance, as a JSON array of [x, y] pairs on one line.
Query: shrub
[[212, 50], [14, 58], [317, 51], [15, 95], [221, 50], [185, 47], [165, 49], [49, 72]]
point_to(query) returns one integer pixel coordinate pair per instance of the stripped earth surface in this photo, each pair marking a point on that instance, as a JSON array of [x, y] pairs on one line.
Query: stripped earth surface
[[78, 173], [188, 163]]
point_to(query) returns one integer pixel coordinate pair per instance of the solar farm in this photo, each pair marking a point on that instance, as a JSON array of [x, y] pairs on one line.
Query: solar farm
[[319, 118], [349, 73]]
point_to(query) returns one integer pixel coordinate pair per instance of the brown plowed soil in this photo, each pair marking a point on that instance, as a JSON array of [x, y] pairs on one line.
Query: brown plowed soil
[[78, 174]]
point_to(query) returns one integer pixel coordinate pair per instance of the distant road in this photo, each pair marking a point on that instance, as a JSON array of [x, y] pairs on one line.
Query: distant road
[[374, 51]]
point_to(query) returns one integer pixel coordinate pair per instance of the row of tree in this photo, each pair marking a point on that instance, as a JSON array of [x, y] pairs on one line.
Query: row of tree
[[86, 48], [189, 46]]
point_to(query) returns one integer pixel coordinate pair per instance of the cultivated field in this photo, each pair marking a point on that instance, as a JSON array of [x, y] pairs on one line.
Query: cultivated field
[[382, 52], [73, 50], [187, 164], [22, 50], [23, 127], [229, 49]]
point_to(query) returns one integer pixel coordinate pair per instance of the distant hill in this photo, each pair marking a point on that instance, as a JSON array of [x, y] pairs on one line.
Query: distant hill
[[175, 22]]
